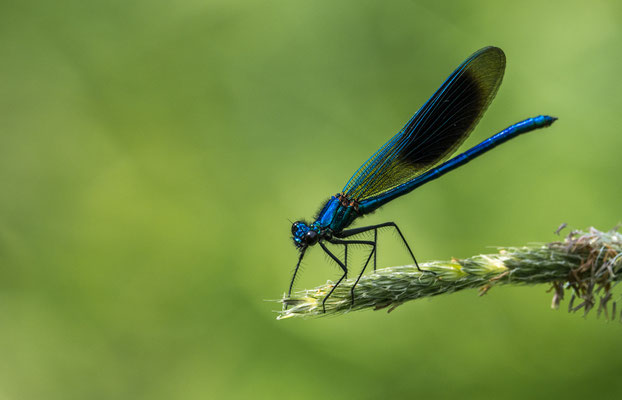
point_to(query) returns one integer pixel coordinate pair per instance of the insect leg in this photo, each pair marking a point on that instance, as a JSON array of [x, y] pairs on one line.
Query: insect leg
[[345, 274], [291, 285], [375, 247], [372, 252], [356, 231]]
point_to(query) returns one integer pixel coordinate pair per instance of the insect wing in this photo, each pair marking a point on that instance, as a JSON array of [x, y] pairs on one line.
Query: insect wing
[[436, 130]]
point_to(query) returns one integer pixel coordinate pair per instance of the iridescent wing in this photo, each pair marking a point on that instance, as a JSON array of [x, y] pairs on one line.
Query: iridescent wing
[[436, 130]]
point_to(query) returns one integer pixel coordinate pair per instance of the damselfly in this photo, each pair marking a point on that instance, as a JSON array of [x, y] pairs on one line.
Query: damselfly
[[414, 156]]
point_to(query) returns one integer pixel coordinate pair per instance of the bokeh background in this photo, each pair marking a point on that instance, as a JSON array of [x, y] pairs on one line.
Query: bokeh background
[[153, 155]]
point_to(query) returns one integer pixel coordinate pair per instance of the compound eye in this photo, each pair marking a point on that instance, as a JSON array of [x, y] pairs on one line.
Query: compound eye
[[311, 238], [295, 226]]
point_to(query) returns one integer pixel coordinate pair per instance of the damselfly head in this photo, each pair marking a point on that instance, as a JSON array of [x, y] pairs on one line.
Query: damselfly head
[[304, 235]]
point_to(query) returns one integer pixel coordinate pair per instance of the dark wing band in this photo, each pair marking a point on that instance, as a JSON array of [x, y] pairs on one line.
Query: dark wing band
[[436, 130]]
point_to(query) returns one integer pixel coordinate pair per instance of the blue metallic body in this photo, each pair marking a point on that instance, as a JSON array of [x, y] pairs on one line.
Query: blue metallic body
[[525, 126], [335, 217]]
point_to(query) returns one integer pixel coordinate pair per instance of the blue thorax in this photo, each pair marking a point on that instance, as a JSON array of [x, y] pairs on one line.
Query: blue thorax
[[335, 215]]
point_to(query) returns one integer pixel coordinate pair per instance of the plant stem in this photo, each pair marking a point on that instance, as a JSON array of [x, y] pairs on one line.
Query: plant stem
[[588, 264]]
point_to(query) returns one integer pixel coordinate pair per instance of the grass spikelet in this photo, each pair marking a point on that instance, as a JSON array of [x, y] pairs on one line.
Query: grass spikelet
[[585, 264]]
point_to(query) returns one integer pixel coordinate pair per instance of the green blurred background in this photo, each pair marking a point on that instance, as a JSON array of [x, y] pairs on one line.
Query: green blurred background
[[153, 155]]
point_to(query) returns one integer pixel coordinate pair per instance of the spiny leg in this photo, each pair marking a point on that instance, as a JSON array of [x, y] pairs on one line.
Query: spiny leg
[[373, 251], [361, 274], [291, 285], [356, 231], [375, 248], [345, 274]]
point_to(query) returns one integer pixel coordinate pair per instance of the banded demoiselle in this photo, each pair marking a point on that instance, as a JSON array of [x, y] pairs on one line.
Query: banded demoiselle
[[414, 156]]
